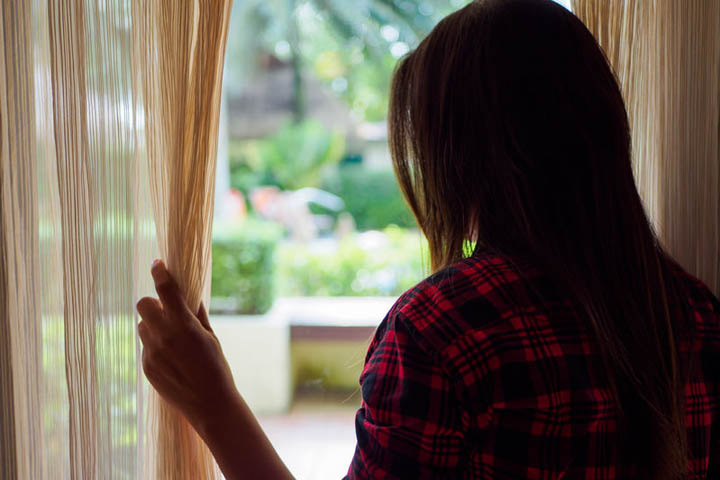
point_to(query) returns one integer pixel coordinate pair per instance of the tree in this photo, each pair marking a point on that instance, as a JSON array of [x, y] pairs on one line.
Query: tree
[[302, 30]]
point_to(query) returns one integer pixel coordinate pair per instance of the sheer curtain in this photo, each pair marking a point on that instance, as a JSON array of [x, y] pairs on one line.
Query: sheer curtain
[[185, 44], [108, 136], [666, 54]]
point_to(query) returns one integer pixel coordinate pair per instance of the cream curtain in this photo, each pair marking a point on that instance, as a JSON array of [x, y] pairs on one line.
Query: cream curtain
[[108, 137], [185, 44], [666, 54], [20, 319]]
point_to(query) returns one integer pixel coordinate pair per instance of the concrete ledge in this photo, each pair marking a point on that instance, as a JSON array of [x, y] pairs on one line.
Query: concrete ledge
[[329, 333], [318, 340], [334, 311]]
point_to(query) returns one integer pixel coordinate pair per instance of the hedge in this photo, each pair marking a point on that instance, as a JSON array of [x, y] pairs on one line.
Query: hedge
[[243, 266], [372, 196]]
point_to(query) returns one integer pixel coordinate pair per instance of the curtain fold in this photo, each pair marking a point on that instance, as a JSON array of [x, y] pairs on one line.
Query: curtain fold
[[185, 43], [666, 55], [78, 210], [20, 343], [108, 137]]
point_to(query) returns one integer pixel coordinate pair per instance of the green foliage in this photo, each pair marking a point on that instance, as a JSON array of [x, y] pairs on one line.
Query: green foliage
[[294, 157], [372, 197], [357, 75], [372, 263], [243, 269], [365, 37]]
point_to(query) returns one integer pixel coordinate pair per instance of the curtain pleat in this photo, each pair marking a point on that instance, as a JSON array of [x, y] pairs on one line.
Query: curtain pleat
[[666, 54]]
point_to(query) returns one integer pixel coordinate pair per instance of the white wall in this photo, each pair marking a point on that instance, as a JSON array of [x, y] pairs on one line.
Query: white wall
[[257, 349]]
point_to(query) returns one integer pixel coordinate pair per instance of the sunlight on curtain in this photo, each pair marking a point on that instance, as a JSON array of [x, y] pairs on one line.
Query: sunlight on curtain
[[105, 106], [185, 43], [667, 57]]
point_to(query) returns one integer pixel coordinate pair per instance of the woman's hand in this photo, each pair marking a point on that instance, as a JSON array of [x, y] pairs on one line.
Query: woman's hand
[[182, 359], [181, 355]]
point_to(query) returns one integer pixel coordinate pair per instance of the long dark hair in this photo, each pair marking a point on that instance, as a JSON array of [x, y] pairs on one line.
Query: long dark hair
[[507, 124]]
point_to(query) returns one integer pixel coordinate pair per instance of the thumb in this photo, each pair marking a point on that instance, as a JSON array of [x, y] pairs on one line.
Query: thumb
[[203, 317]]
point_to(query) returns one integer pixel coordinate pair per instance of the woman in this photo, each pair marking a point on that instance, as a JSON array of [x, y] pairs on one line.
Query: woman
[[567, 344]]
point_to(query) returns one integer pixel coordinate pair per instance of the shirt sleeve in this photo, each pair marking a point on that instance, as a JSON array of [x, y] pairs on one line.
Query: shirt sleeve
[[409, 424]]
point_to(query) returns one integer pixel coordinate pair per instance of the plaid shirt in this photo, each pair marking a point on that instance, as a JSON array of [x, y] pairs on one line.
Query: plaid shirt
[[467, 377]]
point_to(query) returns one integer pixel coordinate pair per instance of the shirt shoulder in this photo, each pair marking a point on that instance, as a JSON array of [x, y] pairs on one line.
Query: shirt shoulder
[[702, 304], [483, 291], [473, 293], [435, 309], [698, 294], [475, 318]]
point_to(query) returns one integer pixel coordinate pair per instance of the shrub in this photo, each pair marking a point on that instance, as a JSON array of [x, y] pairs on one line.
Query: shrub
[[243, 268], [372, 196], [295, 156], [369, 263]]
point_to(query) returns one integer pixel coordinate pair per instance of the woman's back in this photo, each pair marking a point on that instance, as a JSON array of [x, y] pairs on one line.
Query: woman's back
[[484, 370]]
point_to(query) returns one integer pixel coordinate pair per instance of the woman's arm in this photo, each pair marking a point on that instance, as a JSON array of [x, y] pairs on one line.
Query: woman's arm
[[240, 446], [183, 360], [410, 423]]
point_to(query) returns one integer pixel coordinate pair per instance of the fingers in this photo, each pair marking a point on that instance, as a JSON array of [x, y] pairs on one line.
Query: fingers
[[144, 333], [170, 295], [151, 312], [203, 317]]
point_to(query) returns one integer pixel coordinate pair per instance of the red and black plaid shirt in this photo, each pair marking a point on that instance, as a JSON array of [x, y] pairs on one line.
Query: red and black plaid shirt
[[466, 377]]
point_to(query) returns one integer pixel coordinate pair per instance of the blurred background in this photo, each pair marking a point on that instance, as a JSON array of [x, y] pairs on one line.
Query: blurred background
[[312, 241]]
